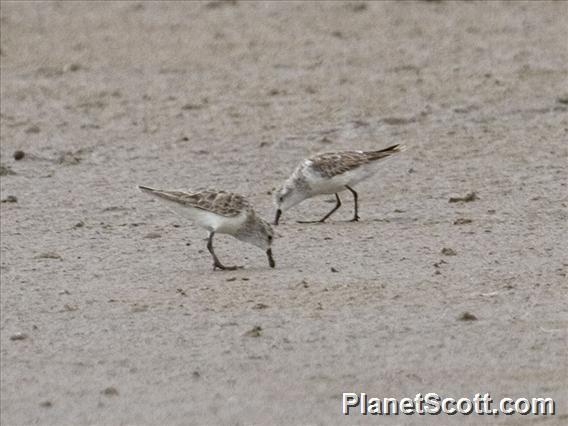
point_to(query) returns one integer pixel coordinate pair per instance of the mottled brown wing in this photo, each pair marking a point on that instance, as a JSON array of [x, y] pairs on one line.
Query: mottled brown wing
[[336, 163], [219, 202]]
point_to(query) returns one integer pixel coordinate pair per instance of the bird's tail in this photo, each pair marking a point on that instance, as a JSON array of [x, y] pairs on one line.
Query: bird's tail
[[170, 197], [146, 188], [384, 153], [153, 191]]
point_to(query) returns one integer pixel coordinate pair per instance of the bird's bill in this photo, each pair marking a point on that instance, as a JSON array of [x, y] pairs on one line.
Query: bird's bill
[[277, 218], [270, 258]]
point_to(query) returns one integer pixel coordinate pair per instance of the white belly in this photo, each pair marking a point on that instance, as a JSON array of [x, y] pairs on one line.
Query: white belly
[[321, 185], [208, 220]]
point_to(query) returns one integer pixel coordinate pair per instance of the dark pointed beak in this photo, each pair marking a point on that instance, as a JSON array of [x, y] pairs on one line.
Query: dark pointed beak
[[270, 258], [277, 218]]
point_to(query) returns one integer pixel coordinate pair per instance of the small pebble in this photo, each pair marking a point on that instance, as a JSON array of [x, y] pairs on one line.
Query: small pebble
[[153, 235], [18, 155], [19, 336], [467, 316], [471, 196], [260, 306], [256, 331], [10, 199], [448, 252], [440, 263], [6, 171], [139, 308], [110, 391], [189, 107], [49, 255], [69, 158], [358, 7], [71, 67], [70, 308]]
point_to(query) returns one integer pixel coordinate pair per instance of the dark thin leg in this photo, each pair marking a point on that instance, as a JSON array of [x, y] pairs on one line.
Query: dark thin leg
[[216, 263], [356, 217], [337, 205]]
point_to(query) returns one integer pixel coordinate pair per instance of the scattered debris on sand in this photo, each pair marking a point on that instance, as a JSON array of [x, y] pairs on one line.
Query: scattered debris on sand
[[69, 308], [397, 121], [153, 235], [49, 255], [72, 67], [471, 196], [467, 316], [10, 199], [446, 251], [462, 221], [19, 336], [69, 158], [6, 170], [358, 7], [220, 3], [256, 331], [190, 107], [33, 129], [110, 391], [138, 308]]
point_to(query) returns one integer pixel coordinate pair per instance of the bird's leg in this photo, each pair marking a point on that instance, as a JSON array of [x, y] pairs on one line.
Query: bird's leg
[[356, 216], [337, 205], [216, 262]]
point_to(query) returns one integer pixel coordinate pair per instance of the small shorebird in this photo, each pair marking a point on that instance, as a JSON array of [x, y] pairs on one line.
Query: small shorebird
[[329, 173], [220, 212]]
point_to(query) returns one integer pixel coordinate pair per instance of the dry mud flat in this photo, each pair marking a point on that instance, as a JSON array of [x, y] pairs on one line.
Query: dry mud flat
[[110, 311]]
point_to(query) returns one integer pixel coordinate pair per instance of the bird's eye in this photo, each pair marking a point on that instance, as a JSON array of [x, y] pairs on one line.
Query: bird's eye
[[270, 238], [281, 199]]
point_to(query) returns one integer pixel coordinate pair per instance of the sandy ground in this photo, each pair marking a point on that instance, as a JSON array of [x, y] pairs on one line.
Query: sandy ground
[[122, 320]]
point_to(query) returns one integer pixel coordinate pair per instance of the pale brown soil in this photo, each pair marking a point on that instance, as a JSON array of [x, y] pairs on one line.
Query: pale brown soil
[[122, 319]]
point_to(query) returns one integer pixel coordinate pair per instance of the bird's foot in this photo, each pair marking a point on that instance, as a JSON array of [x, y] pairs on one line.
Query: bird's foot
[[226, 268]]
